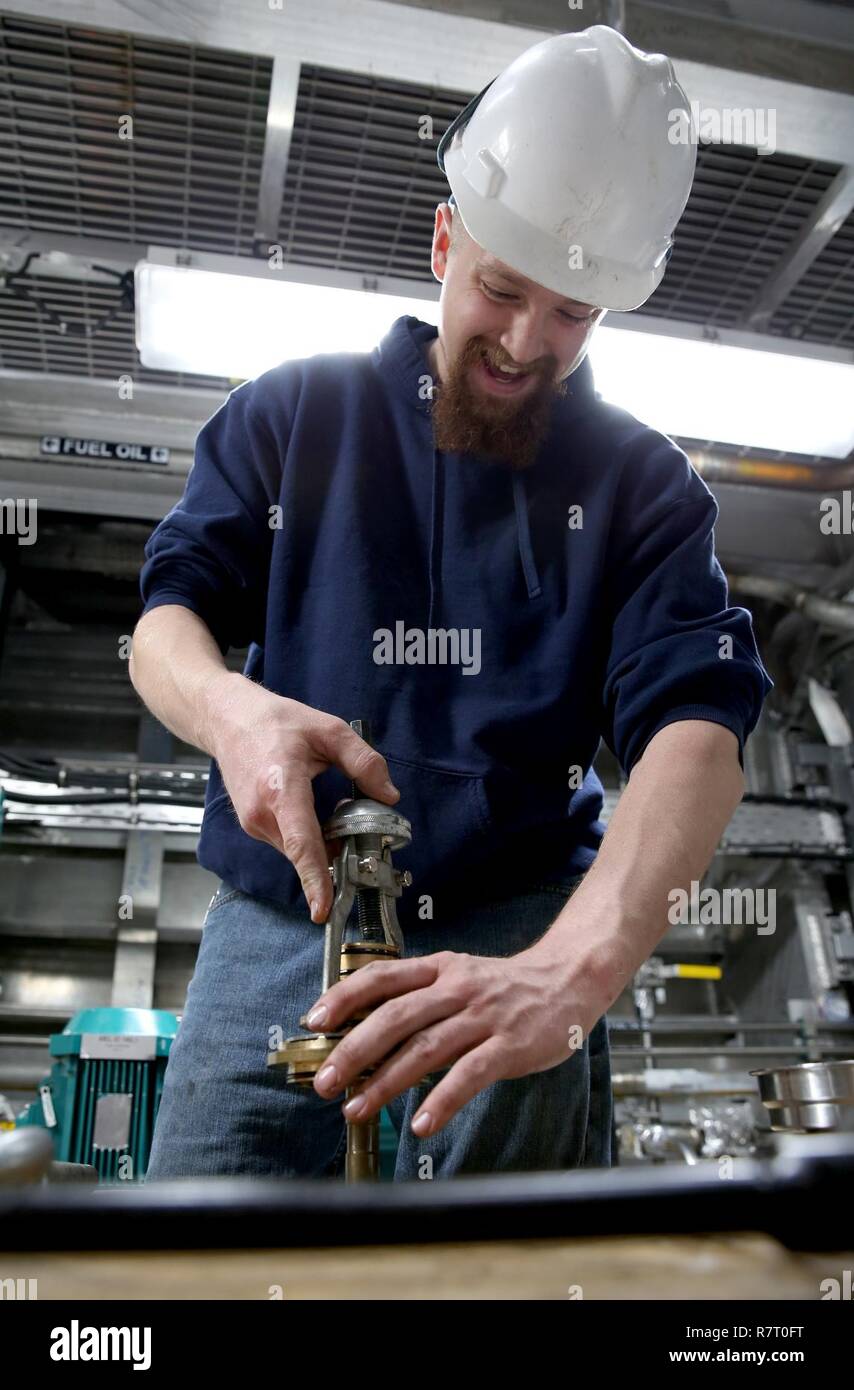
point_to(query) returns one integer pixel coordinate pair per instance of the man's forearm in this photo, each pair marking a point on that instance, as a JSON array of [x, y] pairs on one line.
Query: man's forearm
[[662, 836], [178, 670]]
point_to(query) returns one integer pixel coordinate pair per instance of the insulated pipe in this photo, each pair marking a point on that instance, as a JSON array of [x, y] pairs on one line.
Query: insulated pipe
[[795, 477], [830, 612]]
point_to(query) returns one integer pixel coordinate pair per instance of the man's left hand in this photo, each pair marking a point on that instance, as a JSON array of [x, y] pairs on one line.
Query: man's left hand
[[487, 1018]]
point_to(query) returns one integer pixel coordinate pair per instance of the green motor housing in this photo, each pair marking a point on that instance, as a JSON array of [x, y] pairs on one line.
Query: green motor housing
[[100, 1100]]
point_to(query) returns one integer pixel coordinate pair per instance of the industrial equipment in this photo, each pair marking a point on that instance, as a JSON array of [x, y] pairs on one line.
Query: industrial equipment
[[100, 1100], [362, 874]]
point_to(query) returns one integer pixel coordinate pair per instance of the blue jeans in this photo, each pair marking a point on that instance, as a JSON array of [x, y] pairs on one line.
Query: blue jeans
[[223, 1111]]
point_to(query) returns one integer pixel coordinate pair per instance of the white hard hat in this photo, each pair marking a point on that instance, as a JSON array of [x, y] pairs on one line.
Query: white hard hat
[[566, 167]]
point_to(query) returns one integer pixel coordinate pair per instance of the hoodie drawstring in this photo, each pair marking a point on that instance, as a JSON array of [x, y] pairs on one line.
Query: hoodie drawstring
[[436, 513], [523, 531]]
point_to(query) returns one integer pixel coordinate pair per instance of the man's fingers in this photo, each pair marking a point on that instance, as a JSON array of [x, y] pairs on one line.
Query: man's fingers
[[342, 746], [474, 1071], [371, 984], [303, 844], [431, 1037], [333, 847], [432, 1050]]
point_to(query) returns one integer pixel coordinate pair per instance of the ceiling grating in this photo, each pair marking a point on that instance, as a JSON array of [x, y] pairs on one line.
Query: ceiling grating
[[744, 211], [188, 176], [360, 192], [820, 308], [29, 342], [362, 184]]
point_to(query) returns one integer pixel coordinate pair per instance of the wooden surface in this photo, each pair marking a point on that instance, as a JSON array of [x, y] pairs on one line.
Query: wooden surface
[[738, 1266]]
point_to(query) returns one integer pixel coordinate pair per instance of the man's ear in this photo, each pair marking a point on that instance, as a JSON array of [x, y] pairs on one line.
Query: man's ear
[[442, 240]]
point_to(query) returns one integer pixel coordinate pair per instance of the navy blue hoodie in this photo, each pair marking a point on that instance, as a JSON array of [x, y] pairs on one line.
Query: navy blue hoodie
[[574, 601]]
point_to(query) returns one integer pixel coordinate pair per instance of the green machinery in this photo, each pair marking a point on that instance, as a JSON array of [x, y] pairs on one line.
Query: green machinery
[[100, 1100]]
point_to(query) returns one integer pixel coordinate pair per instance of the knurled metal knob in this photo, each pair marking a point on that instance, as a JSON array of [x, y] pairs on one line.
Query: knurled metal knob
[[368, 817]]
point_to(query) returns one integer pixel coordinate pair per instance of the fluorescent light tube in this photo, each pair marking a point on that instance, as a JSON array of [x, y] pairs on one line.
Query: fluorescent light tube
[[238, 325], [234, 317], [726, 394]]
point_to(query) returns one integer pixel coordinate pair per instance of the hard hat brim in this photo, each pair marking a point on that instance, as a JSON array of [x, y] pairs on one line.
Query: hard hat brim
[[600, 283]]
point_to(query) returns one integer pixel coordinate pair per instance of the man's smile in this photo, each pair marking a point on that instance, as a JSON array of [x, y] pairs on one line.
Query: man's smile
[[501, 381]]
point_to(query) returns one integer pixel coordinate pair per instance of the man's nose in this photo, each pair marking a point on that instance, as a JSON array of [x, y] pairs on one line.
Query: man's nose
[[523, 341]]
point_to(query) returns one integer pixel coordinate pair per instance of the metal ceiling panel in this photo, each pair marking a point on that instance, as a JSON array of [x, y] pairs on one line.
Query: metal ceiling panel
[[185, 171], [360, 190], [30, 342], [820, 308], [744, 211], [362, 183]]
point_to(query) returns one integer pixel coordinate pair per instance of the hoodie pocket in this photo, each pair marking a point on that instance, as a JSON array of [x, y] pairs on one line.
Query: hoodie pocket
[[528, 815], [519, 799], [449, 815]]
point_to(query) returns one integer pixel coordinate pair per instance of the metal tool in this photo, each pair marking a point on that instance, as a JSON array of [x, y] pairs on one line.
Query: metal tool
[[362, 874]]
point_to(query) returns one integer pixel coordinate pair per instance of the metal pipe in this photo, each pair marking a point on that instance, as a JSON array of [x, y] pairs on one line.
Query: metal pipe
[[830, 612], [725, 1024], [362, 1163], [25, 1156], [794, 477], [644, 1083], [726, 1050]]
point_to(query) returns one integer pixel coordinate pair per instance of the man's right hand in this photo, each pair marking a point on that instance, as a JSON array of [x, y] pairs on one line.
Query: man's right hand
[[269, 750]]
